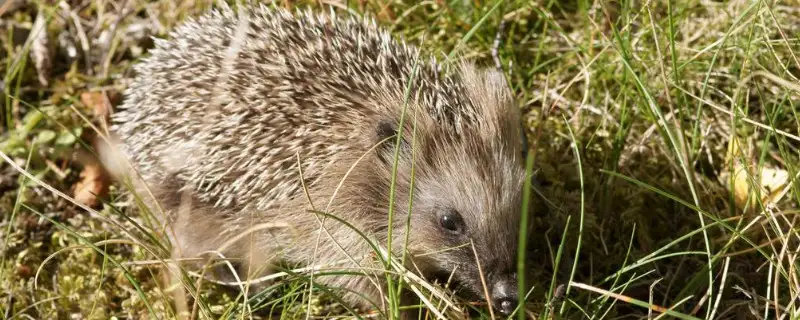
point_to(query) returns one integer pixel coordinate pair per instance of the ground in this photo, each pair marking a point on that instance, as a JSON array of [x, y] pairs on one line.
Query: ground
[[665, 135]]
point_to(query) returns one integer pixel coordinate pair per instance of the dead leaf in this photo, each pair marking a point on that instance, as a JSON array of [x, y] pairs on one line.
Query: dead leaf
[[24, 271], [769, 184], [40, 49], [386, 13], [99, 102], [93, 185], [773, 182]]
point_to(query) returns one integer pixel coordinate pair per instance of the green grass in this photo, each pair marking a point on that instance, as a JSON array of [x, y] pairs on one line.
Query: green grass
[[652, 126]]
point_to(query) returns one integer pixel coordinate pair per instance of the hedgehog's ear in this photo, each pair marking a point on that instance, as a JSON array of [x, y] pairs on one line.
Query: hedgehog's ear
[[489, 92], [386, 138]]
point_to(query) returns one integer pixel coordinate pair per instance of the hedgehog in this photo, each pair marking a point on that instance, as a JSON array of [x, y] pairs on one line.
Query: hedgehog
[[272, 137]]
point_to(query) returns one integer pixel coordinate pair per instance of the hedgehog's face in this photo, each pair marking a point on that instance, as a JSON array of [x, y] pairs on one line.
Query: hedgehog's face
[[465, 216], [467, 191]]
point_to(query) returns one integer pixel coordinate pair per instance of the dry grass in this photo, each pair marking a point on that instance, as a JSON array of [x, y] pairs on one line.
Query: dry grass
[[666, 135]]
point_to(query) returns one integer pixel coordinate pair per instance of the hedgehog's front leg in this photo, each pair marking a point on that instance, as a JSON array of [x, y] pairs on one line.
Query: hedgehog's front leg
[[346, 266], [365, 288], [226, 251]]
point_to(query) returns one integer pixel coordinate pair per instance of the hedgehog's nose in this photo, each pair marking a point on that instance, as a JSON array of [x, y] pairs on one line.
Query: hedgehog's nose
[[504, 296]]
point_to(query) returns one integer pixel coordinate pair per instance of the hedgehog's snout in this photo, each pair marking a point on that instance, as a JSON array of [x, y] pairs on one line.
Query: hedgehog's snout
[[504, 295]]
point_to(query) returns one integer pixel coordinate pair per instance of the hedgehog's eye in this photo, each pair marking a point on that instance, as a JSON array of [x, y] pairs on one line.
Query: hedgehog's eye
[[451, 221]]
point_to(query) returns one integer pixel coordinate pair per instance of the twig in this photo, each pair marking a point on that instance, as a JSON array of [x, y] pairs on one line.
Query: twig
[[497, 63]]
